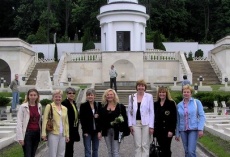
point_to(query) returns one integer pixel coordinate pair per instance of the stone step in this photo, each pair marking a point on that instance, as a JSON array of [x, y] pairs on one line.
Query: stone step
[[220, 126], [8, 128], [227, 130], [6, 133], [212, 122]]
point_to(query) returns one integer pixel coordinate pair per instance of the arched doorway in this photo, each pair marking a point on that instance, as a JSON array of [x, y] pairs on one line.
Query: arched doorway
[[125, 70], [5, 71]]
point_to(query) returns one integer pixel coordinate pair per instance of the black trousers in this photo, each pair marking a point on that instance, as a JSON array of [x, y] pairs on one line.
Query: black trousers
[[113, 81], [165, 144], [69, 149], [31, 141]]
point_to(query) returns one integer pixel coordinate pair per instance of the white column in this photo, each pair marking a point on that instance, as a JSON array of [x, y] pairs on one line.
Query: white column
[[110, 38], [136, 32]]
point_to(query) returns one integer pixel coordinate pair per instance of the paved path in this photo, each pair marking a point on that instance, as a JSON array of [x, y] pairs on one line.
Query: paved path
[[126, 149]]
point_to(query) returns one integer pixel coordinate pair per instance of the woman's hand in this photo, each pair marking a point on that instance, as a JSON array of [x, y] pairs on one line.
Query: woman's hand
[[67, 139], [21, 142], [177, 139], [131, 130], [85, 134], [200, 133], [99, 136], [151, 131], [170, 134], [44, 138]]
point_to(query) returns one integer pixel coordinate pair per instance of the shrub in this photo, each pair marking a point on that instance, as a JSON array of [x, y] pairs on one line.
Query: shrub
[[90, 45], [4, 101], [199, 53], [44, 102], [40, 55]]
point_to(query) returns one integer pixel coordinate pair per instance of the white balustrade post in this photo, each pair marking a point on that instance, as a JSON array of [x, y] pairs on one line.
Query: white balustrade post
[[215, 107]]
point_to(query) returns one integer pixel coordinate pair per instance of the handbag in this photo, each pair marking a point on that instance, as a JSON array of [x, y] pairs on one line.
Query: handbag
[[154, 149], [75, 134], [49, 124]]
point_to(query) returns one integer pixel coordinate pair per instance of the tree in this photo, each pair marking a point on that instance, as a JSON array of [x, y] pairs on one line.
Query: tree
[[158, 42], [199, 53]]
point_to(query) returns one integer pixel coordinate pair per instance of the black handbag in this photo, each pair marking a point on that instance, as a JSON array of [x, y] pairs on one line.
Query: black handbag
[[154, 149], [75, 136]]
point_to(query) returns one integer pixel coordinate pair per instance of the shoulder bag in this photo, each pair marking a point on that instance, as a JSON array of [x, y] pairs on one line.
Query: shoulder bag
[[49, 124], [154, 149]]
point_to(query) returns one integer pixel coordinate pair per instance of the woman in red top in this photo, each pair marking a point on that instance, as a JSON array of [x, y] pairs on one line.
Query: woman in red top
[[28, 123]]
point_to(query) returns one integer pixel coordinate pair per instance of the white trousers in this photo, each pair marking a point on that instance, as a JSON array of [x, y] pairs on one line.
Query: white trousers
[[56, 144], [141, 139]]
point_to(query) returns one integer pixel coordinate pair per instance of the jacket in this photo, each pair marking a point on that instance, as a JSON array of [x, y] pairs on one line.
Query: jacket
[[23, 118], [165, 117], [146, 109], [196, 116], [14, 85], [104, 123], [56, 120], [87, 117], [71, 119]]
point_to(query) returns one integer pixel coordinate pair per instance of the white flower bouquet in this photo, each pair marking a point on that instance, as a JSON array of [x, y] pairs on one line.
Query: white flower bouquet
[[117, 120]]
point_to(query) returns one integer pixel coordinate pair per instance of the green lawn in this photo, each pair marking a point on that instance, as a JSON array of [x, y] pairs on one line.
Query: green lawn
[[13, 150]]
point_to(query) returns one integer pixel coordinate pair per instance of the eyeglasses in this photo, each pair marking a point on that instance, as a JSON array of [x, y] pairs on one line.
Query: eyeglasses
[[71, 93]]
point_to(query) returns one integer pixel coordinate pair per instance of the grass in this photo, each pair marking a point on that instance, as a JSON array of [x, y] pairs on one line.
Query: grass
[[13, 150], [219, 147]]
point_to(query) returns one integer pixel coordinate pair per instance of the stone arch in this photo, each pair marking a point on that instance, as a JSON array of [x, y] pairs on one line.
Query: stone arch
[[125, 70], [5, 71]]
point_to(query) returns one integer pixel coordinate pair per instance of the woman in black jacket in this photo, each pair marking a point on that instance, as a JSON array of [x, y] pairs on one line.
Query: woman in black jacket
[[113, 122], [73, 115], [165, 120], [89, 122]]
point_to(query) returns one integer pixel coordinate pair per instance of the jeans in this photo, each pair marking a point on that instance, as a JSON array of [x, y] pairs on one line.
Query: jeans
[[113, 146], [15, 100], [87, 144], [113, 81], [189, 139], [31, 142]]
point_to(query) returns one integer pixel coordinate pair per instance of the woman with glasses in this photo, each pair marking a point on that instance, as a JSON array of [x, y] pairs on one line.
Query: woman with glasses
[[89, 123], [73, 115], [165, 120]]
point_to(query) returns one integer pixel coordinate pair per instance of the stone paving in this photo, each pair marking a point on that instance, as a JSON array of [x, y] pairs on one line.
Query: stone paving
[[126, 149]]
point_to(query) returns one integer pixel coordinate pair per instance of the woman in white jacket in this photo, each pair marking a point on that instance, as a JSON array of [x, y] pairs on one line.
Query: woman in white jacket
[[141, 118], [29, 123]]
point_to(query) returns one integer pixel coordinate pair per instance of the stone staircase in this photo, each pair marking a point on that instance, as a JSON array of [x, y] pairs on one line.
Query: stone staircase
[[51, 65], [204, 69], [123, 91]]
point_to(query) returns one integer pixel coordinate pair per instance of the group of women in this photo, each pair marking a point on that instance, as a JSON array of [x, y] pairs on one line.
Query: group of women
[[109, 119]]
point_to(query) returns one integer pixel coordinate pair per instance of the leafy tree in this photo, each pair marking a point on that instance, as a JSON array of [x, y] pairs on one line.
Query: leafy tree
[[199, 53], [157, 42], [55, 53], [189, 56], [90, 45]]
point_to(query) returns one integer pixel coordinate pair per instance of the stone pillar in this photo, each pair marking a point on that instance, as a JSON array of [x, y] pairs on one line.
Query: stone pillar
[[223, 107], [8, 113], [215, 107], [43, 81]]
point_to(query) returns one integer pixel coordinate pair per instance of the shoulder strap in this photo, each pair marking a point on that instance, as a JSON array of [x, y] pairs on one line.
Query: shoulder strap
[[51, 112], [195, 107]]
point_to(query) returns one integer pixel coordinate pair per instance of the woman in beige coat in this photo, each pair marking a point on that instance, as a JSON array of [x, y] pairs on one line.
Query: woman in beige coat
[[28, 123]]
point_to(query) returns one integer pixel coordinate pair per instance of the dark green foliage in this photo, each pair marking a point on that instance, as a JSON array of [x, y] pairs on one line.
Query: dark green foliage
[[40, 55], [55, 53], [44, 102], [189, 56], [86, 39], [4, 101], [90, 45], [208, 98], [158, 42], [199, 53]]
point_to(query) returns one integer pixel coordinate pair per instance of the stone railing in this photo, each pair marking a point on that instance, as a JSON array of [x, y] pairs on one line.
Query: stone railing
[[29, 67], [154, 50], [93, 50], [184, 65], [59, 70], [160, 56], [86, 56], [200, 59], [220, 74], [42, 60]]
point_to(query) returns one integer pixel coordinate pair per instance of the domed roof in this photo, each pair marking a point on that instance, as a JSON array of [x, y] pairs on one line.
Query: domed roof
[[127, 1]]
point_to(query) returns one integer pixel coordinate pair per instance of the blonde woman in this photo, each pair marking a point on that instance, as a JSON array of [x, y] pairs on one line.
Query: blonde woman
[[28, 123], [60, 135], [111, 109], [141, 118], [165, 120], [190, 121]]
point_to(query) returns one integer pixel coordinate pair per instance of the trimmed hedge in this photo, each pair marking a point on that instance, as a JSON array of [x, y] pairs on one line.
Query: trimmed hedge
[[4, 101], [44, 102]]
